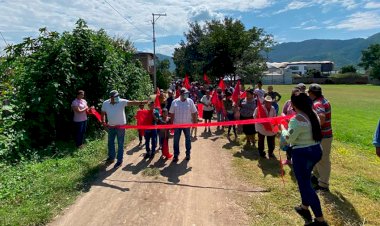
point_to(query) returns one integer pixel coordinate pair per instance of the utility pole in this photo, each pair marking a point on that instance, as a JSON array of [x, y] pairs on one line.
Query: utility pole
[[154, 48]]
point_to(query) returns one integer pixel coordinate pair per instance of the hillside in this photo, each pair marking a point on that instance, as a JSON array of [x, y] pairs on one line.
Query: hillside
[[165, 57], [341, 52]]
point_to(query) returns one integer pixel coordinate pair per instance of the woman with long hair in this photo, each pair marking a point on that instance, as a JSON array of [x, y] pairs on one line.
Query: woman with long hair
[[304, 136]]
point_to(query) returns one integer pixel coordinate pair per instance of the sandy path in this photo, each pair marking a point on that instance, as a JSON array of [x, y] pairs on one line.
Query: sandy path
[[202, 191]]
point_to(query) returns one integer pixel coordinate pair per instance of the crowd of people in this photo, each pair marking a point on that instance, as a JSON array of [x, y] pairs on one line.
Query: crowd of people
[[306, 139]]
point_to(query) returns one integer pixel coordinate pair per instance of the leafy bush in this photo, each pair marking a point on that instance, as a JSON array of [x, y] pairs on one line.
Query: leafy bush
[[347, 75], [348, 69], [46, 73]]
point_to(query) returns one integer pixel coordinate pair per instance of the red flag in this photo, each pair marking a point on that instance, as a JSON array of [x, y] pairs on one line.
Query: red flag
[[157, 103], [200, 110], [216, 102], [236, 94], [186, 82], [92, 111], [142, 118], [205, 78], [221, 84], [243, 95], [262, 114]]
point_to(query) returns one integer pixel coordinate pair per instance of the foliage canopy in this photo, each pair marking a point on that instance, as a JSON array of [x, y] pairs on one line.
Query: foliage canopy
[[221, 48], [43, 74], [371, 60]]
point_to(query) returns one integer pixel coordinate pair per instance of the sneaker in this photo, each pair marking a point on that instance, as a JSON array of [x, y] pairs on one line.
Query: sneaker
[[146, 156], [117, 165], [187, 157], [175, 159], [151, 156], [319, 223], [320, 188], [109, 161], [314, 180], [262, 154], [305, 214], [272, 156]]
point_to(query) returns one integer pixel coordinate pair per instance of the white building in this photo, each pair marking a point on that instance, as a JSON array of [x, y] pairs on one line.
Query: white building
[[283, 72]]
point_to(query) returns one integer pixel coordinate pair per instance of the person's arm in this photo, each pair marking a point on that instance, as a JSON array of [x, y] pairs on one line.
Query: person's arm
[[103, 118], [279, 97], [292, 133], [376, 139], [136, 102], [285, 109], [320, 112], [77, 109]]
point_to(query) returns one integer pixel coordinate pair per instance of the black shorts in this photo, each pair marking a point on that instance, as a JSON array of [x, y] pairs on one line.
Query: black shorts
[[207, 115], [248, 129]]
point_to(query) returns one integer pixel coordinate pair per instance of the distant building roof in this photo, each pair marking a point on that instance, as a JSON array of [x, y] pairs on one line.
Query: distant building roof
[[285, 64]]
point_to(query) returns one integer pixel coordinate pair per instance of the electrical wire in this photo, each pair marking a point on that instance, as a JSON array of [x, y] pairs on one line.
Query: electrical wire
[[130, 22]]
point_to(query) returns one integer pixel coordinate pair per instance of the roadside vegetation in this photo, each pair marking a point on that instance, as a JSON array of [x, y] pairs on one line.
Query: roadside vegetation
[[42, 171]]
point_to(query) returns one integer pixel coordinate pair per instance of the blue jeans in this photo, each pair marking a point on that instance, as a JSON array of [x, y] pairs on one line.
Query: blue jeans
[[177, 136], [304, 159], [219, 116], [112, 134], [150, 135], [275, 105], [80, 130]]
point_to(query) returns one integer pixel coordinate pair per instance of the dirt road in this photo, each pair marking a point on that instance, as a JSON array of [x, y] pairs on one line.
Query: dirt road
[[202, 191]]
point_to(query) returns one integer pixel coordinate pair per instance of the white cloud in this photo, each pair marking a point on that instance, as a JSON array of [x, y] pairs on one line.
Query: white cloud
[[311, 28], [294, 5], [325, 4], [359, 21], [372, 5], [20, 16], [163, 49]]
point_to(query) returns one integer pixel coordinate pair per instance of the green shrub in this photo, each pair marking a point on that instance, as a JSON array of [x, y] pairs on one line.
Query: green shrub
[[46, 73]]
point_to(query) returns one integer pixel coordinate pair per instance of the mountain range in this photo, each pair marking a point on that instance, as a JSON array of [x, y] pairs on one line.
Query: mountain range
[[341, 52]]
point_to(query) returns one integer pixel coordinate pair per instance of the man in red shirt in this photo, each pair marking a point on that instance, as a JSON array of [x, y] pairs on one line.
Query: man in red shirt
[[323, 108]]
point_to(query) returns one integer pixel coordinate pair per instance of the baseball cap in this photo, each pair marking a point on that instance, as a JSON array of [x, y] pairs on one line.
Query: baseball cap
[[184, 90], [114, 93], [301, 87], [314, 87]]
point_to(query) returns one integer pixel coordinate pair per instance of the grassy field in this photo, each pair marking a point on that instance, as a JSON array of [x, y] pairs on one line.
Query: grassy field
[[355, 182], [32, 193]]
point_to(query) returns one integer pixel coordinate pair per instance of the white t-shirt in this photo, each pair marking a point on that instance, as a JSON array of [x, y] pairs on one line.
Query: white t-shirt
[[182, 110], [260, 94], [207, 101], [115, 112], [259, 127]]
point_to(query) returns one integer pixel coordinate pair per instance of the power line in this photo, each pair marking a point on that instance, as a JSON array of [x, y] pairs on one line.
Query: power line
[[3, 38], [126, 19]]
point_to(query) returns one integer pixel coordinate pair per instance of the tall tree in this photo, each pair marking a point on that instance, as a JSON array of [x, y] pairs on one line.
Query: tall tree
[[221, 48], [371, 60]]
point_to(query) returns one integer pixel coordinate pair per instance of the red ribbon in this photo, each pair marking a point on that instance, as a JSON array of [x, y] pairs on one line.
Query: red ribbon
[[274, 121]]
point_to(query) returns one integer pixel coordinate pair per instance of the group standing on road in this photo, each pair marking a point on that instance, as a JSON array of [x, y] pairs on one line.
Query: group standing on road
[[307, 140]]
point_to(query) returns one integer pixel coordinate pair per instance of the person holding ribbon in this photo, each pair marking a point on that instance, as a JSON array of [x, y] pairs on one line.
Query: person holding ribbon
[[304, 135], [183, 111], [113, 116], [247, 108], [150, 135], [376, 139], [265, 129], [208, 109], [79, 106], [322, 169]]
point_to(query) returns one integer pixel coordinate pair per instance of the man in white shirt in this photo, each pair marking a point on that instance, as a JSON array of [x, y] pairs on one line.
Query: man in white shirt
[[113, 108], [269, 112], [182, 111], [260, 92]]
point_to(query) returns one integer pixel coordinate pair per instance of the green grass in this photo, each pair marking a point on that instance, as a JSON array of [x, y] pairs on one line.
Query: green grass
[[355, 111], [32, 193], [355, 181]]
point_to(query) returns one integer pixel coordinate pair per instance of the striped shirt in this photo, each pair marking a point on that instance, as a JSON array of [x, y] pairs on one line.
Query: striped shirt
[[322, 106]]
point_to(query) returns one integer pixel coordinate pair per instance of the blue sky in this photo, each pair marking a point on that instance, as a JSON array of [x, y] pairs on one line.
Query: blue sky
[[287, 21]]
